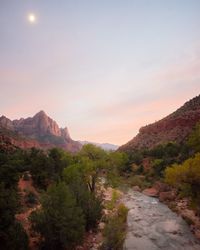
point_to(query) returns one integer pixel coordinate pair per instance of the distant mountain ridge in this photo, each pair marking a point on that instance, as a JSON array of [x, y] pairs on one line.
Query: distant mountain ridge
[[105, 146], [38, 131], [175, 127]]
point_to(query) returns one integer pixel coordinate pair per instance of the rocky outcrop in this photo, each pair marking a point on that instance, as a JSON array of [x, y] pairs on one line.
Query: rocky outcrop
[[38, 131], [38, 126], [175, 127], [6, 123]]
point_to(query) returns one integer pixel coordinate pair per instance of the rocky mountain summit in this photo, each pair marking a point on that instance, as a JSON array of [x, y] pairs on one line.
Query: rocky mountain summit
[[37, 131], [175, 127]]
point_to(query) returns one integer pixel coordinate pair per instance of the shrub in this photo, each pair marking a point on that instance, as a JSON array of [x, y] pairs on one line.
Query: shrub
[[115, 230], [111, 204], [122, 212]]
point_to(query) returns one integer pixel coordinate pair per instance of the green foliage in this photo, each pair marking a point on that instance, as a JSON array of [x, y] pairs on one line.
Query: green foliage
[[168, 150], [159, 157], [159, 167], [12, 234], [117, 165], [138, 180], [194, 139], [60, 159], [186, 177], [136, 157], [89, 202], [93, 161], [60, 221], [112, 203], [115, 230], [122, 212], [42, 169], [47, 168], [118, 161], [9, 205]]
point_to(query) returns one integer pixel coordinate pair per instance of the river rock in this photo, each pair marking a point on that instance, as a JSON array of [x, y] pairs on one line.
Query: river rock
[[152, 192]]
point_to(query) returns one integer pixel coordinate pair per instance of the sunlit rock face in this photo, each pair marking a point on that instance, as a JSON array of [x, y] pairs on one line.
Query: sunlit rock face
[[175, 127], [41, 131], [37, 126], [6, 123]]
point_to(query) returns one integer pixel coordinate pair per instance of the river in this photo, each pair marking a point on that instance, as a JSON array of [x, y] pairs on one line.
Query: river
[[151, 225]]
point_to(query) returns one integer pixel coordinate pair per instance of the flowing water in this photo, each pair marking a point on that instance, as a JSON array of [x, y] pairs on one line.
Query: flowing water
[[153, 226]]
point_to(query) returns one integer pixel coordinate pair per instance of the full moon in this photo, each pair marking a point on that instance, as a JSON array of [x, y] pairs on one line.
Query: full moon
[[31, 18]]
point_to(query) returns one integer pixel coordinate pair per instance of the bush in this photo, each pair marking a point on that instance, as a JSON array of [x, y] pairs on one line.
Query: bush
[[111, 204], [115, 230], [122, 212]]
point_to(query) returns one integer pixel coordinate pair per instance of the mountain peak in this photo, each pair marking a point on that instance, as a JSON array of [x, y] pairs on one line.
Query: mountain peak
[[40, 113], [44, 130]]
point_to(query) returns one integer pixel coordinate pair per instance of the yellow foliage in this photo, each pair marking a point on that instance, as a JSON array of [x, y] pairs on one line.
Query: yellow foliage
[[185, 175]]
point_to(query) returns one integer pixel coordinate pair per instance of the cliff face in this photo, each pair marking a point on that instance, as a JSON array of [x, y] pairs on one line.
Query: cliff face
[[38, 131], [175, 127]]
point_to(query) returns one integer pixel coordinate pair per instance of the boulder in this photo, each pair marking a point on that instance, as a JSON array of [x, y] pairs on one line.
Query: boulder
[[151, 192]]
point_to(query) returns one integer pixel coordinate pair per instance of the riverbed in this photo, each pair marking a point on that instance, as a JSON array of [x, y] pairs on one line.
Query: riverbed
[[151, 225]]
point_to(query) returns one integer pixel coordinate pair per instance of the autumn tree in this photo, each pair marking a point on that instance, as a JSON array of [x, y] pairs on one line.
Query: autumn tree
[[186, 177]]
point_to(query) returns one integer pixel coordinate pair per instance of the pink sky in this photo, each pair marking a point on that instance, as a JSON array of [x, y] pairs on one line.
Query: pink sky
[[101, 68]]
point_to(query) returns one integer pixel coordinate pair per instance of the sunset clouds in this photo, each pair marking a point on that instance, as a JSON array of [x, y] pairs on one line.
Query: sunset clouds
[[105, 68]]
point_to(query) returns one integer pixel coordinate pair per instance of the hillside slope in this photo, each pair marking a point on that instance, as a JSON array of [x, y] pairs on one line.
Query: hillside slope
[[175, 127]]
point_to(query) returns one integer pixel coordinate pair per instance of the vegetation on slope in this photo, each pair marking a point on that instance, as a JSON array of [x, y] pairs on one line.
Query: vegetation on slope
[[68, 185]]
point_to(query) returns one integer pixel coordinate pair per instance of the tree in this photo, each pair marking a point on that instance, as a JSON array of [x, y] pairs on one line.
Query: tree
[[90, 203], [60, 221], [47, 168], [60, 160], [42, 169], [118, 161], [186, 177], [12, 234], [158, 167], [93, 160], [194, 139]]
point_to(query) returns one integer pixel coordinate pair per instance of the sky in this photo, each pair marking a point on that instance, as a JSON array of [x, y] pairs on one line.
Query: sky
[[103, 68]]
